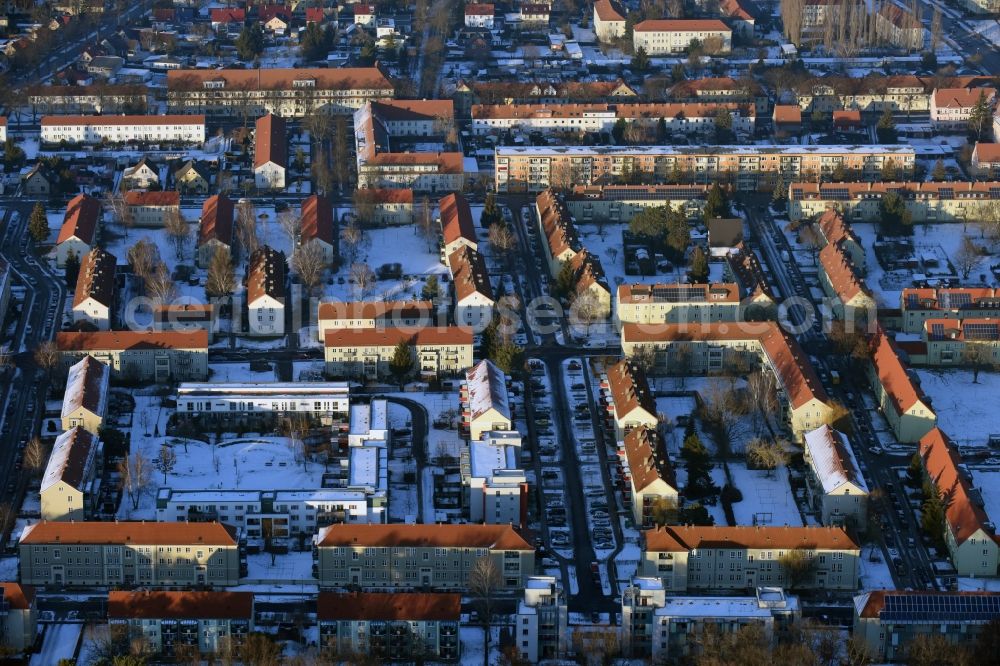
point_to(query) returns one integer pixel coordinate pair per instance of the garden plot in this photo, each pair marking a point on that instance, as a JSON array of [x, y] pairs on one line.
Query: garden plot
[[962, 411], [767, 497]]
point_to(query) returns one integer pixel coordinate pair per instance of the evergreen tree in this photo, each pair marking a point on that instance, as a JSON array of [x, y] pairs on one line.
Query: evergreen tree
[[698, 464], [677, 73], [618, 130], [932, 517], [72, 269], [886, 127], [640, 61], [13, 156], [716, 203], [890, 172], [402, 361], [699, 266], [38, 224], [431, 289], [565, 280], [316, 42], [678, 233], [839, 174], [250, 43], [491, 211], [661, 132], [894, 217], [939, 174], [509, 357], [780, 193]]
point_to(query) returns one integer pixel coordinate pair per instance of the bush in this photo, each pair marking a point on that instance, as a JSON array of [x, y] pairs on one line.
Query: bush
[[731, 494]]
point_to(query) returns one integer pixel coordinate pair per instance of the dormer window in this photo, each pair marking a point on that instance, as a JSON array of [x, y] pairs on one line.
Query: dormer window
[[304, 83], [214, 84]]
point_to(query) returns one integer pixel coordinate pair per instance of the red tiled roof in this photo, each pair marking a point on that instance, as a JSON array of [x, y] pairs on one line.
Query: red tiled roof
[[456, 219], [216, 220], [164, 198], [647, 458], [494, 537], [892, 374], [228, 15], [315, 15], [187, 605], [606, 11], [674, 538], [479, 9], [266, 274], [719, 292], [681, 25], [445, 162], [377, 606], [80, 221], [343, 78], [336, 310], [961, 98], [787, 113], [840, 273], [60, 121], [317, 220], [630, 389], [135, 533], [97, 278], [987, 152], [122, 340], [391, 336], [270, 141], [468, 273], [17, 596]]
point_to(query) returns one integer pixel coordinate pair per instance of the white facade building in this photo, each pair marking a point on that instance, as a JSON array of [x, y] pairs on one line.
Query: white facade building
[[836, 485], [496, 488], [314, 398], [661, 37], [542, 620], [123, 129]]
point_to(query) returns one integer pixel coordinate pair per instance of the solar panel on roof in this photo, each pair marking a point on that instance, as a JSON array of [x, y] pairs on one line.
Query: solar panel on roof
[[937, 331], [955, 299], [980, 331], [940, 608]]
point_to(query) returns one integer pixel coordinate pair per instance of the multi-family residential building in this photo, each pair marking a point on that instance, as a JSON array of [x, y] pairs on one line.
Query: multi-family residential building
[[709, 347], [541, 623], [665, 36], [836, 486], [389, 207], [951, 108], [651, 475], [141, 355], [632, 403], [609, 21], [888, 622], [925, 201], [89, 554], [421, 172], [123, 129], [210, 622], [185, 317], [18, 617], [101, 98], [364, 14], [68, 490], [215, 228], [85, 399], [151, 209], [289, 93], [985, 162], [438, 351], [533, 16], [591, 297], [469, 92], [688, 558], [79, 228], [457, 227], [390, 626], [485, 400], [479, 15], [557, 230], [968, 532], [951, 341], [403, 556], [679, 117], [620, 203], [904, 405], [318, 226], [918, 306], [853, 302], [270, 153], [678, 303], [899, 27], [335, 315], [535, 168], [96, 290], [657, 627], [266, 291], [320, 399], [474, 300], [494, 487]]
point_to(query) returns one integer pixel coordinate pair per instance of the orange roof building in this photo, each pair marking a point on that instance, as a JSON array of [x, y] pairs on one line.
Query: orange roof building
[[905, 406], [79, 228], [270, 155]]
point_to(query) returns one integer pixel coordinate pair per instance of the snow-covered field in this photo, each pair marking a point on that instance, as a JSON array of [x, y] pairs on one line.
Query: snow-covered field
[[875, 575], [962, 411], [59, 643], [767, 497]]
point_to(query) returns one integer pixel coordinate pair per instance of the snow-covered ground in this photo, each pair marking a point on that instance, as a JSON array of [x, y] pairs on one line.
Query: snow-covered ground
[[59, 643], [294, 567], [875, 575], [962, 411], [767, 497], [988, 483]]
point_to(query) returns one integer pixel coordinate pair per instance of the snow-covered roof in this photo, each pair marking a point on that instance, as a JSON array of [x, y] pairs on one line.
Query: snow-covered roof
[[86, 387], [270, 389], [722, 607], [370, 417], [72, 457], [832, 459], [367, 467], [487, 386]]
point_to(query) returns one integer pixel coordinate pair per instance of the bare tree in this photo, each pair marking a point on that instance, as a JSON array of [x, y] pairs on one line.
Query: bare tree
[[587, 309], [115, 204], [485, 582], [7, 515], [178, 230], [352, 239], [978, 357], [309, 264], [766, 454], [221, 280], [143, 257], [36, 456], [762, 397], [721, 410], [159, 285], [425, 222], [135, 472], [935, 29], [363, 278], [47, 356], [798, 566], [165, 461], [967, 257], [246, 227], [503, 241], [644, 357], [6, 358], [364, 206], [291, 223]]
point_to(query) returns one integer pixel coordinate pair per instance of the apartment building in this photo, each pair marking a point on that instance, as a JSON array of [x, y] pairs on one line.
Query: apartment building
[[557, 230], [950, 341], [836, 486], [985, 162], [925, 201], [473, 293], [151, 209], [749, 168], [541, 624], [78, 232], [185, 317], [689, 558], [709, 347], [101, 98], [969, 533], [485, 401], [389, 207], [92, 554], [266, 292], [632, 403], [918, 306], [479, 15], [391, 626], [210, 622], [652, 304], [320, 399], [85, 399], [888, 622], [657, 627], [215, 228], [667, 36], [270, 152], [176, 129], [286, 92], [469, 92], [141, 355], [457, 226], [620, 203], [439, 351], [674, 117], [403, 556], [951, 108], [433, 172], [318, 226], [18, 616], [96, 290], [609, 21], [721, 89], [68, 489], [591, 297], [904, 405], [337, 315], [899, 27], [495, 488], [650, 475], [853, 302]]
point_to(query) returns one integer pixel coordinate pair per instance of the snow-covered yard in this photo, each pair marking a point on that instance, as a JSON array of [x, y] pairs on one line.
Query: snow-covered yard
[[767, 497], [962, 411]]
